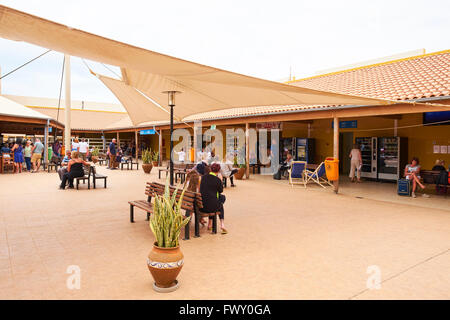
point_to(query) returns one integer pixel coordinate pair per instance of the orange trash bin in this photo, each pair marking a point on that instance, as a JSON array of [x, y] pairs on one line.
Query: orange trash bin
[[332, 168]]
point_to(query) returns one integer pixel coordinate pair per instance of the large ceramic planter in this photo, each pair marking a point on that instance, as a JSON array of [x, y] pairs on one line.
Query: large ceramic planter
[[165, 264], [94, 159], [240, 174], [147, 167]]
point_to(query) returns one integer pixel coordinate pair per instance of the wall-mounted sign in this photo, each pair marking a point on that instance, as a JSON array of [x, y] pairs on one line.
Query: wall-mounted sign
[[348, 124], [50, 129], [213, 127], [269, 125], [148, 131]]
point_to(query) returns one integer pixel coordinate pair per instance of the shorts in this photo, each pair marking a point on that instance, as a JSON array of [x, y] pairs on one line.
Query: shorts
[[36, 157], [407, 177]]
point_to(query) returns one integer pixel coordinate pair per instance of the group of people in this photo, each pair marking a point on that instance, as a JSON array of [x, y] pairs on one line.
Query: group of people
[[71, 168], [207, 178], [26, 152]]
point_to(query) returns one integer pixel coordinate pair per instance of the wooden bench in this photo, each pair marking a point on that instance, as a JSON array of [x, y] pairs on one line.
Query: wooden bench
[[430, 177], [176, 168], [96, 176], [87, 175], [191, 203], [129, 162]]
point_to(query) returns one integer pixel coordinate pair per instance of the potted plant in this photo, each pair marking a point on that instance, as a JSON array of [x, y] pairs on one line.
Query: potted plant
[[165, 260], [155, 157], [239, 162], [94, 155], [147, 160], [240, 174]]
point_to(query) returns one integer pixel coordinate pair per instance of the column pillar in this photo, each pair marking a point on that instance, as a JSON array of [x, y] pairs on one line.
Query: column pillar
[[395, 127], [118, 139], [247, 150], [68, 101], [336, 147], [46, 143], [160, 149], [136, 142]]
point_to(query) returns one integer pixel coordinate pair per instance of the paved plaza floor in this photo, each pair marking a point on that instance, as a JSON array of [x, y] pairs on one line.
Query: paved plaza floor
[[284, 242]]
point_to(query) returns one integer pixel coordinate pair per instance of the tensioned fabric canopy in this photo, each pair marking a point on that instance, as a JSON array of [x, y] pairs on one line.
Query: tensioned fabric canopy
[[203, 88]]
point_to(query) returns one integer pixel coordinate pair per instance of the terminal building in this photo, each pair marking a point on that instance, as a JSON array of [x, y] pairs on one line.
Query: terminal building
[[389, 136]]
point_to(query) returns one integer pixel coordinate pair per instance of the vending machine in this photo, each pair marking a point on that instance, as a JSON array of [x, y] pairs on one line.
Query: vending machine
[[392, 157], [368, 147], [304, 150]]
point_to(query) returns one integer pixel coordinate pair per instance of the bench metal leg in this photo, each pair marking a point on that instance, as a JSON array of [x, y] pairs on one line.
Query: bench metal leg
[[148, 216], [105, 183], [131, 213], [186, 228], [197, 225]]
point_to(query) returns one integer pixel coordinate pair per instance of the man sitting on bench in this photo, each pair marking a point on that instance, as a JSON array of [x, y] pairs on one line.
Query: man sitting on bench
[[64, 163], [211, 189], [74, 170], [227, 170]]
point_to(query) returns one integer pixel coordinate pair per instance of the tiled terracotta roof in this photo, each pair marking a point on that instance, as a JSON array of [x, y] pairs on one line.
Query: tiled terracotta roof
[[404, 79]]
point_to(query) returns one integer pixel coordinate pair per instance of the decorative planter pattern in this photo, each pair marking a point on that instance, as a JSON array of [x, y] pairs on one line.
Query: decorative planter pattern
[[165, 264]]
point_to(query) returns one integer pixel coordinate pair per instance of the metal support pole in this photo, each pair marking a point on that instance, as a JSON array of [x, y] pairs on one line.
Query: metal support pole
[[336, 148], [171, 145], [46, 142], [68, 101]]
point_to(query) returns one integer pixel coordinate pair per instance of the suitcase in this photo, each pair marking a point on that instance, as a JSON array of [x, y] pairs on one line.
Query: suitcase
[[404, 187]]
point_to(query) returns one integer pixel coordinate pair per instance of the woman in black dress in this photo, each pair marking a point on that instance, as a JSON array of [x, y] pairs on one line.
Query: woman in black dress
[[74, 169], [211, 188]]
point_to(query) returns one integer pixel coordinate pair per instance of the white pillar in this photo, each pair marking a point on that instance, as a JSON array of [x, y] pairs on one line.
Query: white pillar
[[247, 150], [336, 147], [46, 143], [68, 101]]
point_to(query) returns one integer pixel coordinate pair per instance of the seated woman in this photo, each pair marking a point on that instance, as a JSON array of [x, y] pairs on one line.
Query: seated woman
[[211, 188], [74, 170], [227, 170], [439, 165], [412, 172], [285, 165]]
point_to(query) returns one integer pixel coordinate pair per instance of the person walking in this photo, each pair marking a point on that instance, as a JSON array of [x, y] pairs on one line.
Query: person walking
[[18, 156], [355, 163], [74, 169], [211, 189], [112, 154], [27, 155], [37, 155]]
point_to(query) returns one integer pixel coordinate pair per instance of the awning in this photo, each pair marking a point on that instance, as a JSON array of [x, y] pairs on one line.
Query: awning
[[203, 88]]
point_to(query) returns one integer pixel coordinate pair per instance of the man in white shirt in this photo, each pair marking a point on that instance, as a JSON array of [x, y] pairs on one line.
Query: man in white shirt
[[84, 149], [181, 156]]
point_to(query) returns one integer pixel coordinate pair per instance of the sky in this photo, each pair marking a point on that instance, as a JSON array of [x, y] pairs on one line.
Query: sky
[[265, 39]]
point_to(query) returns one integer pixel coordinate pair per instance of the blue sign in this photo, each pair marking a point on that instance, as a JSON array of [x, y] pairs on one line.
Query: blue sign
[[148, 131], [350, 124], [50, 129]]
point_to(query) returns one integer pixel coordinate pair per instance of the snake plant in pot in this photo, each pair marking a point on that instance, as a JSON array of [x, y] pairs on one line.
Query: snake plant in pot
[[165, 260], [147, 160]]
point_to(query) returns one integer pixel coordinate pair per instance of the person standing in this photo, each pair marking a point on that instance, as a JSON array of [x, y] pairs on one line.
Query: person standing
[[84, 149], [18, 156], [75, 145], [57, 149], [37, 155], [355, 163], [27, 155], [181, 156], [112, 154]]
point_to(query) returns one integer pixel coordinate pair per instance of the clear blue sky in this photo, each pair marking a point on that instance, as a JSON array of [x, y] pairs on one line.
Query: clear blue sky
[[258, 38]]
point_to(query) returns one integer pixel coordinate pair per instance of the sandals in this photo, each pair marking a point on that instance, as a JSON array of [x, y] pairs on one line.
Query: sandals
[[224, 231]]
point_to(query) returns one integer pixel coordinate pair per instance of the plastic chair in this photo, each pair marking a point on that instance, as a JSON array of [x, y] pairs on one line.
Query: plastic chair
[[297, 173], [319, 175]]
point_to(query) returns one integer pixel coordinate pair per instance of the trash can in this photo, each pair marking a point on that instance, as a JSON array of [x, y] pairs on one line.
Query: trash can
[[332, 168]]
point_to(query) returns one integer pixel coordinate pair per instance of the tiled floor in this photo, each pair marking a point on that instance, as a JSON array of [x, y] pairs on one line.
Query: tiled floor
[[283, 243]]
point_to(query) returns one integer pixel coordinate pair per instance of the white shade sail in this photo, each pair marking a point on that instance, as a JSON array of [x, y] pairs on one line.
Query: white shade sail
[[203, 88]]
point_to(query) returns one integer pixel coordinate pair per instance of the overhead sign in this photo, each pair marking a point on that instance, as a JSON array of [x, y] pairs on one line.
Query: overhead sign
[[213, 127], [148, 131], [269, 125], [350, 124]]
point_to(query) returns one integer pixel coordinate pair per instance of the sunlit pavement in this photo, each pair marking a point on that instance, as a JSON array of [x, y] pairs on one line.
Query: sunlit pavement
[[284, 242]]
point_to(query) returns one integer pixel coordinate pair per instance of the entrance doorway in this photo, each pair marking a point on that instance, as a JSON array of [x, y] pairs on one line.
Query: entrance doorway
[[346, 144]]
